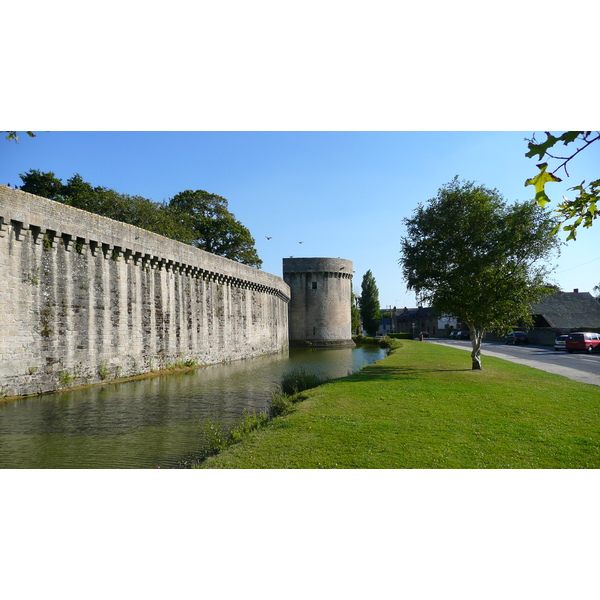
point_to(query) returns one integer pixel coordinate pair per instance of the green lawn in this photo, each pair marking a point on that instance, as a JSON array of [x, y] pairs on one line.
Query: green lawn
[[424, 408]]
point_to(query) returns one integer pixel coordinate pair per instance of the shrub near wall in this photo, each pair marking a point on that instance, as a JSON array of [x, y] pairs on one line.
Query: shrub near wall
[[383, 342]]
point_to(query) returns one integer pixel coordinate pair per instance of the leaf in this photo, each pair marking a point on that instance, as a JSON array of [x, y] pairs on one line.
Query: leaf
[[569, 136], [573, 232], [13, 135], [542, 148], [539, 181]]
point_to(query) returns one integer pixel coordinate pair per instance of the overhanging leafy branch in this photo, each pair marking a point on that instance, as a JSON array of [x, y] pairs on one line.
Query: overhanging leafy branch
[[13, 135], [582, 210]]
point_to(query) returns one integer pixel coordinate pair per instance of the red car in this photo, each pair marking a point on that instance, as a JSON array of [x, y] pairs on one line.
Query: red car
[[584, 341]]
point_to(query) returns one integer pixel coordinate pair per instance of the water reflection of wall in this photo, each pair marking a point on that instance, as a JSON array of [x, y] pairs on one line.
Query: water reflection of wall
[[144, 423]]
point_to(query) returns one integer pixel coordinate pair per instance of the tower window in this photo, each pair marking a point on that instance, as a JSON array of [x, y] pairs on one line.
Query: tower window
[[314, 285]]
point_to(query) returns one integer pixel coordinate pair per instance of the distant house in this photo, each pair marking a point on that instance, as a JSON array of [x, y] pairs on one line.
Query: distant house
[[415, 321], [555, 314], [564, 312], [567, 310], [385, 326], [559, 313]]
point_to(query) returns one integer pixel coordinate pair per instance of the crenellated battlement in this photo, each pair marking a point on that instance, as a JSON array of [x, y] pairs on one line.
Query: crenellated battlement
[[73, 228]]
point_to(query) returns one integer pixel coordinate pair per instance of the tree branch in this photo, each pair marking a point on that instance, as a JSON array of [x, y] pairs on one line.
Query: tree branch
[[568, 158]]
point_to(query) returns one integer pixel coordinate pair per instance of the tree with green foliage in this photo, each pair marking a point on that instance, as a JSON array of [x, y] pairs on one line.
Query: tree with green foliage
[[214, 228], [369, 304], [197, 218], [134, 210], [46, 185], [99, 200], [354, 315], [469, 254], [581, 210]]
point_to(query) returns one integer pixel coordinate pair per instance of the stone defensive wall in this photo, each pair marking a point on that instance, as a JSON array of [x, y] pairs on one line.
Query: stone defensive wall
[[84, 298]]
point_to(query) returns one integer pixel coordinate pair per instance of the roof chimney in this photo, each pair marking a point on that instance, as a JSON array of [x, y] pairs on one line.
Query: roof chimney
[[576, 291]]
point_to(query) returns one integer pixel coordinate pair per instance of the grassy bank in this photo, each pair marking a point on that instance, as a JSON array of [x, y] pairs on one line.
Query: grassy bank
[[423, 407]]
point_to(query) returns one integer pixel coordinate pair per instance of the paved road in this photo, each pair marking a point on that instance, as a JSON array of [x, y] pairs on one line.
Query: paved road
[[578, 366]]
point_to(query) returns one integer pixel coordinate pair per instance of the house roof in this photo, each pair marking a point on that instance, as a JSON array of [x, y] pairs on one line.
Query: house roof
[[423, 312], [569, 310]]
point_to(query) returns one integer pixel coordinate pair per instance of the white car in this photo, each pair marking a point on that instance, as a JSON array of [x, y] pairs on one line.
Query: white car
[[560, 343]]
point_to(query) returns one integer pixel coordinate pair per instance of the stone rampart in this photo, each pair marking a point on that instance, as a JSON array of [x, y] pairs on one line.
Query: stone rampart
[[84, 298]]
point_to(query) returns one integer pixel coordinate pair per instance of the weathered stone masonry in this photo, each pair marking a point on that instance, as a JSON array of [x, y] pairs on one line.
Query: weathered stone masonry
[[84, 298], [319, 312]]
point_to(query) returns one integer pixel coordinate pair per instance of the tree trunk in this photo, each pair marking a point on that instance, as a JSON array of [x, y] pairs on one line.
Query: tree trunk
[[476, 337]]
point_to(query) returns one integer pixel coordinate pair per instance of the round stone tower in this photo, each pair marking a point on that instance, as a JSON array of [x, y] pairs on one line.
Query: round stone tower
[[319, 309]]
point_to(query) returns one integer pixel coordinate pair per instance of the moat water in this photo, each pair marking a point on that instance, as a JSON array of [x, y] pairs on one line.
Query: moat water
[[152, 422]]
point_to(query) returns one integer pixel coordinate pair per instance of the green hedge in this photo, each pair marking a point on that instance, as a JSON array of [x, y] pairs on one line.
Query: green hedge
[[363, 339], [382, 342]]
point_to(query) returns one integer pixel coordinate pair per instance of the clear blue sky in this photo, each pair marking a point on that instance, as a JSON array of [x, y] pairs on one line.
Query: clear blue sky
[[339, 193]]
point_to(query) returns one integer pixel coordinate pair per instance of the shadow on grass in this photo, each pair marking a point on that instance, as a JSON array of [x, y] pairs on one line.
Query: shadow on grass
[[387, 373]]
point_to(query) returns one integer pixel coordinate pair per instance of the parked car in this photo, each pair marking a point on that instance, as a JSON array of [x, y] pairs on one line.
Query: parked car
[[560, 343], [516, 337], [452, 335], [424, 334], [584, 341], [463, 335]]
